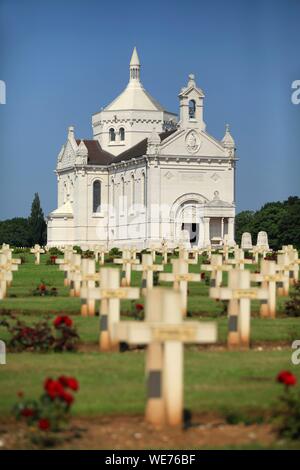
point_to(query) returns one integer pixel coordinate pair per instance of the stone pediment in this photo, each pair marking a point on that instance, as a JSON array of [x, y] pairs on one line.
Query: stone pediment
[[192, 143], [66, 156], [217, 202]]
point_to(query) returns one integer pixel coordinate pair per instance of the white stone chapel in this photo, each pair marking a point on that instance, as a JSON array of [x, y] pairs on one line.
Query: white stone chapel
[[145, 176]]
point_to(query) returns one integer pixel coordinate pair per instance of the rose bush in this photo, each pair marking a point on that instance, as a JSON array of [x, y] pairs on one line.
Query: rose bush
[[42, 336], [287, 410], [51, 413]]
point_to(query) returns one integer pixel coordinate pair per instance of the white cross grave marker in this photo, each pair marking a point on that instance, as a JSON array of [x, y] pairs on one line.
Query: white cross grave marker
[[180, 278], [268, 278], [110, 293], [37, 251], [164, 333], [239, 293], [148, 268], [216, 267], [127, 261]]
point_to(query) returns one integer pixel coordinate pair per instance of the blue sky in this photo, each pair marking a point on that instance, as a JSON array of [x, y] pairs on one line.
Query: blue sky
[[64, 59]]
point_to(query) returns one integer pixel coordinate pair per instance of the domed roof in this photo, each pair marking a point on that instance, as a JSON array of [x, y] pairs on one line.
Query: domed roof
[[134, 97]]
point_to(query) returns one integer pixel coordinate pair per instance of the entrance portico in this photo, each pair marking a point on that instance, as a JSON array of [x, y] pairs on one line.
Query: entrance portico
[[201, 222]]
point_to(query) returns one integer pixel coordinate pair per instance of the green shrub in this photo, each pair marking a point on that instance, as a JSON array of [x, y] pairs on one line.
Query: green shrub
[[53, 251]]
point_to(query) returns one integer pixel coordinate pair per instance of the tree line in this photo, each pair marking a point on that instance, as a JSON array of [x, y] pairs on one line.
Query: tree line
[[21, 231], [281, 221]]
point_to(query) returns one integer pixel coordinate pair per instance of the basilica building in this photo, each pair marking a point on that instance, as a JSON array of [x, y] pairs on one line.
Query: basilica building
[[146, 176]]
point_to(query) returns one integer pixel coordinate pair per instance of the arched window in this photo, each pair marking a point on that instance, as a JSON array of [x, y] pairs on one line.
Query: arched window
[[96, 196], [132, 198], [113, 192], [192, 109], [143, 190], [112, 135], [122, 194], [65, 195], [122, 133]]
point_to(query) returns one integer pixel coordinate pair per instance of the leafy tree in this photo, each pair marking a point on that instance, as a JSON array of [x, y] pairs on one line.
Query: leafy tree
[[281, 220], [15, 232], [37, 224], [243, 223]]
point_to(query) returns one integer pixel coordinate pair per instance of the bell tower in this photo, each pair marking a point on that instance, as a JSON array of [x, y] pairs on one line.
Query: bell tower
[[191, 106]]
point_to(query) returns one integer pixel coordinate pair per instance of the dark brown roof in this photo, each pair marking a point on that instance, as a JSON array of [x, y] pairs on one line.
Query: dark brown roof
[[96, 156], [140, 148]]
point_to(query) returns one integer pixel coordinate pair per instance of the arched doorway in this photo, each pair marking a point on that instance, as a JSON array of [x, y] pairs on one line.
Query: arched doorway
[[186, 215]]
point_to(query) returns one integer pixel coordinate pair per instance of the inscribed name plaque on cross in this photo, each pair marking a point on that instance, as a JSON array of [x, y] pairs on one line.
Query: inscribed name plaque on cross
[[115, 293], [245, 294], [172, 333]]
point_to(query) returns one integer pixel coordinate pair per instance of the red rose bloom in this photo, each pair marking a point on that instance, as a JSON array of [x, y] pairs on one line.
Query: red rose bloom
[[27, 412], [44, 424], [42, 287], [68, 321], [63, 380], [73, 384], [62, 320], [69, 382], [287, 378], [57, 321], [139, 306], [67, 397], [53, 388]]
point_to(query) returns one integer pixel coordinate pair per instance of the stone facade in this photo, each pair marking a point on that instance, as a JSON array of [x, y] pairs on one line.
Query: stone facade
[[145, 177]]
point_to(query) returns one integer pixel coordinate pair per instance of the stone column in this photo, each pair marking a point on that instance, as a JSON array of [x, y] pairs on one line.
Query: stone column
[[206, 221], [231, 230], [222, 228]]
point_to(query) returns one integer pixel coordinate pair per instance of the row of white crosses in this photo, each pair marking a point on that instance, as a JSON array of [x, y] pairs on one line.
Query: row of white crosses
[[8, 264], [288, 263]]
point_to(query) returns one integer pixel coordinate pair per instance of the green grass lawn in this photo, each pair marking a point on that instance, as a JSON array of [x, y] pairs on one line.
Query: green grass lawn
[[215, 381], [21, 300], [262, 330], [114, 383], [20, 296]]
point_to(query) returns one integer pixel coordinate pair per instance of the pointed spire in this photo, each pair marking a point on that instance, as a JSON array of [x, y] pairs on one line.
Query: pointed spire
[[135, 66], [135, 58], [228, 140]]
